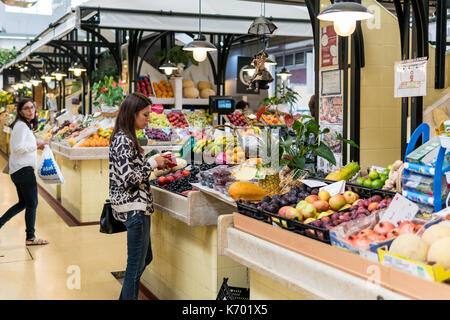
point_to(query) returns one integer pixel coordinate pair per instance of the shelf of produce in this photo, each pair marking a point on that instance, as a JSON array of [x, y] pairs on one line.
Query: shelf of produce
[[215, 194], [199, 102], [98, 153], [313, 269], [197, 209], [162, 101]]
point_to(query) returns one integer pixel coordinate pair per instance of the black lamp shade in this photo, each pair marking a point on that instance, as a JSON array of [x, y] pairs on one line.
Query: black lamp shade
[[261, 26]]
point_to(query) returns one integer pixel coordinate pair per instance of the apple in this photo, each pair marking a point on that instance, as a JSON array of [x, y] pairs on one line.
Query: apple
[[292, 213], [324, 195], [301, 204], [310, 199], [162, 181], [350, 196], [337, 202], [282, 211], [321, 205], [308, 211]]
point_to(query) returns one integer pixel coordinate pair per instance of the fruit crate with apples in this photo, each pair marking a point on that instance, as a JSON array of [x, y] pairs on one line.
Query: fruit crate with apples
[[285, 223], [144, 86]]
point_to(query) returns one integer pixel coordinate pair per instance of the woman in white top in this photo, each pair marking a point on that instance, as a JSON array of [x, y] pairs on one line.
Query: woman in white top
[[22, 162]]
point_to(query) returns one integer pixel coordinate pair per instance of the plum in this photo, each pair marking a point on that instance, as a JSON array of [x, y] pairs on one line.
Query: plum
[[266, 199], [276, 197], [315, 191], [272, 208], [317, 223], [284, 202]]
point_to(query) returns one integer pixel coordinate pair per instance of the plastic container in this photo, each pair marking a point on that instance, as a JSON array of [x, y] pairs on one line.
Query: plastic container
[[227, 292]]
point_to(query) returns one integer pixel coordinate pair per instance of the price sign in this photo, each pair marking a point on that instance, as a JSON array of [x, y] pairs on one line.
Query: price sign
[[335, 188], [400, 209], [313, 183]]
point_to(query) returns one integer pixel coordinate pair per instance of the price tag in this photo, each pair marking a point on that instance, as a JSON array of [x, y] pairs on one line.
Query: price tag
[[335, 188], [400, 209], [251, 116], [166, 130], [313, 183]]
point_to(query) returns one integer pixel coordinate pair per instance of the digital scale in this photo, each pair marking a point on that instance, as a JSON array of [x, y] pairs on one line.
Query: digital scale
[[219, 106]]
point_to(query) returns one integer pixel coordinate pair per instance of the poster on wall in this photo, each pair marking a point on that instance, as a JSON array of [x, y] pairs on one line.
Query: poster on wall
[[328, 46], [243, 77], [331, 111], [410, 78], [331, 83]]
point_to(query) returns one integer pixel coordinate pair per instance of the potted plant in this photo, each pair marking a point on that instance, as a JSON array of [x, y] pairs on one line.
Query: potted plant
[[299, 151], [108, 92], [286, 99], [181, 58]]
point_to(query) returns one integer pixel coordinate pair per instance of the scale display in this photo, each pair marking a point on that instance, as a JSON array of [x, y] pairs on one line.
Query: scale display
[[221, 105]]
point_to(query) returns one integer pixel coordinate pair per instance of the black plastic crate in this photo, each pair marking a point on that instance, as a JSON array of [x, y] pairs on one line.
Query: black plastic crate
[[361, 190], [227, 292], [292, 225]]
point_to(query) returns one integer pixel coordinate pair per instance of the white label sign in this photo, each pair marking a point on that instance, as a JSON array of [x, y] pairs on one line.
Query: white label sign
[[335, 188], [313, 183], [410, 78], [400, 209]]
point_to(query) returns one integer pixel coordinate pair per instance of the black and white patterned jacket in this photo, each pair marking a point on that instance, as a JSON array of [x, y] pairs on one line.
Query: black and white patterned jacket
[[129, 172]]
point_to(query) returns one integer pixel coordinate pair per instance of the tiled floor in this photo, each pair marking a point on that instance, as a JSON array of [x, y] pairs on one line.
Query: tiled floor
[[77, 264]]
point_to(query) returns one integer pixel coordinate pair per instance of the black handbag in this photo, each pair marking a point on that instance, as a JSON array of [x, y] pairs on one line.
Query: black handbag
[[108, 224]]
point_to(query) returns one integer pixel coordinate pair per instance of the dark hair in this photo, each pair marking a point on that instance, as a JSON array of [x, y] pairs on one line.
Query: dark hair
[[31, 124], [128, 110], [311, 104], [241, 104]]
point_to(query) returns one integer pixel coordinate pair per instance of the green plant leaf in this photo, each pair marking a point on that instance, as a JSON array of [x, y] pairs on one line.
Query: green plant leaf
[[350, 142], [299, 162], [324, 151]]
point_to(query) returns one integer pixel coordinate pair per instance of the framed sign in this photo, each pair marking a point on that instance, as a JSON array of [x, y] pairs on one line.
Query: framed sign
[[331, 111], [328, 47], [410, 78], [331, 83], [243, 77]]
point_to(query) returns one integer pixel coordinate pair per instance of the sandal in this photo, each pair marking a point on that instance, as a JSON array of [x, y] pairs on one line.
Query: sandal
[[36, 242]]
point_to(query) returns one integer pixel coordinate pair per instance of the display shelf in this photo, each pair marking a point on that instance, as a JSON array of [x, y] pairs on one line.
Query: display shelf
[[215, 194], [163, 101], [200, 102], [317, 270], [197, 209]]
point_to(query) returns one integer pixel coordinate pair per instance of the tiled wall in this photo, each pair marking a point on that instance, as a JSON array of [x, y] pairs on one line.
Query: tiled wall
[[264, 288], [185, 261], [86, 188]]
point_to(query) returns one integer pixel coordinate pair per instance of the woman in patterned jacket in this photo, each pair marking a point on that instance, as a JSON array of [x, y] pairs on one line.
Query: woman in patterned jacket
[[129, 187]]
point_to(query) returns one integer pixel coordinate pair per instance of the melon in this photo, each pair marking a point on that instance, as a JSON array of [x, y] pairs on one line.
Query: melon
[[204, 85], [246, 191], [190, 92], [439, 252], [205, 93], [188, 84], [410, 246], [436, 232]]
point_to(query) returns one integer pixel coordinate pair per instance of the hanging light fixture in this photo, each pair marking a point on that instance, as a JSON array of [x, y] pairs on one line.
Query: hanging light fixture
[[28, 84], [20, 3], [344, 16], [35, 82], [20, 85], [200, 46], [262, 26], [58, 74], [284, 74], [77, 69], [47, 77], [168, 68]]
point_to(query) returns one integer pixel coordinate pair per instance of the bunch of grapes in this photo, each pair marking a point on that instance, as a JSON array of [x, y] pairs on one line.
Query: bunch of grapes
[[158, 134]]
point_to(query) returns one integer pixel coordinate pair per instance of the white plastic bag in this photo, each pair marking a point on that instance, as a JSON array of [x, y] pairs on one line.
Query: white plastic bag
[[48, 169]]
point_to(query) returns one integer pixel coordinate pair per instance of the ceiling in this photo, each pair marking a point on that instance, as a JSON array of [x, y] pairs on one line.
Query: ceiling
[[388, 4]]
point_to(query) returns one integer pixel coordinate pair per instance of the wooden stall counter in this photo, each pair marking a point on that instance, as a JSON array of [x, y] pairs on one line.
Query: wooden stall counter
[[285, 265]]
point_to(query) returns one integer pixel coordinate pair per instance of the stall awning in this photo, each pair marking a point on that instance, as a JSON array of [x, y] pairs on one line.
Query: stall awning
[[218, 16]]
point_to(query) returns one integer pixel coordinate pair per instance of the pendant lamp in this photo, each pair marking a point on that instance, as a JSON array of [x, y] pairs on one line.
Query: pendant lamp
[[262, 26], [58, 74], [344, 16], [168, 68], [284, 74], [200, 46], [77, 69]]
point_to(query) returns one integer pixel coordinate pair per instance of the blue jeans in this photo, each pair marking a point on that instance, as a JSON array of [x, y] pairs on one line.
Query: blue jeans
[[139, 254], [26, 186]]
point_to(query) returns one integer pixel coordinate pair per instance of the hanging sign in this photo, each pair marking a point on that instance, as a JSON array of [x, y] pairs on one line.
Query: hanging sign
[[328, 46], [410, 78]]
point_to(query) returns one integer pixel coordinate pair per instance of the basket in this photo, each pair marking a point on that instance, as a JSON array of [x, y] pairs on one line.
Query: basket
[[227, 292]]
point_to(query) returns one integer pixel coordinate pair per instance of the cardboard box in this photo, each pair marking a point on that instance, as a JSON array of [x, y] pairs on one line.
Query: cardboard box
[[419, 269]]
